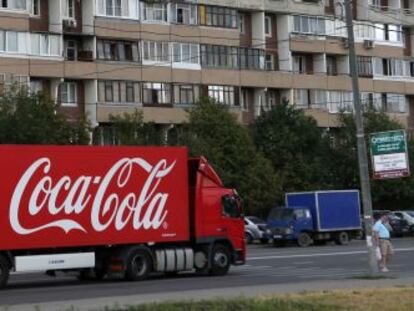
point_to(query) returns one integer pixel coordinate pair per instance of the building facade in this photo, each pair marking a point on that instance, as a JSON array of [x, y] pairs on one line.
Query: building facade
[[105, 57]]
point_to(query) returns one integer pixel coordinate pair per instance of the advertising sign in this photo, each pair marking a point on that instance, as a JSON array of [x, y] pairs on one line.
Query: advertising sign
[[389, 154], [55, 196]]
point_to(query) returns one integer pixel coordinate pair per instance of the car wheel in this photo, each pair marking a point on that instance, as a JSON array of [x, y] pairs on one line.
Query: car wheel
[[342, 238], [264, 240], [248, 237], [304, 239]]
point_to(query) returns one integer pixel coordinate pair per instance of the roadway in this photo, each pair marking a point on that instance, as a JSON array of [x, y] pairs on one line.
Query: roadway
[[266, 266]]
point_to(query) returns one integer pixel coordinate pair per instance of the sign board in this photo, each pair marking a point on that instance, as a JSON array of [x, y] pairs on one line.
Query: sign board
[[389, 154]]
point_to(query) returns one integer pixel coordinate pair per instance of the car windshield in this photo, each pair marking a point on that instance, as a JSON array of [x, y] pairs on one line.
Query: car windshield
[[256, 220], [280, 214], [411, 213]]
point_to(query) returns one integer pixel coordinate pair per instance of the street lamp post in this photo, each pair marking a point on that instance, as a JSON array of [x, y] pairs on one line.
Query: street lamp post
[[361, 144]]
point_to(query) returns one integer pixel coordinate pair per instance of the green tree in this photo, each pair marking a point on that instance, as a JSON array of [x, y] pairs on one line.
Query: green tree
[[130, 129], [296, 147], [214, 132], [35, 119], [392, 193]]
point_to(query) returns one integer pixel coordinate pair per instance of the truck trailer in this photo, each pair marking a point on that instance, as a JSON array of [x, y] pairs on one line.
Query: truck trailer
[[317, 217], [117, 212]]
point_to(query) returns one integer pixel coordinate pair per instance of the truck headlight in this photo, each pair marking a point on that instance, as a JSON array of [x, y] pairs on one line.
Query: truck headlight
[[288, 230]]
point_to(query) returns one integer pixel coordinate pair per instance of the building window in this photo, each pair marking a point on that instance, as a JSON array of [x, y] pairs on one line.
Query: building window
[[118, 8], [219, 17], [155, 12], [222, 94], [309, 25], [69, 9], [186, 53], [364, 66], [45, 45], [252, 59], [269, 62], [219, 56], [35, 7], [8, 80], [182, 13], [242, 23], [119, 92], [268, 26], [36, 86], [302, 98], [156, 51], [300, 64], [185, 94], [68, 94], [13, 4], [156, 93], [389, 67], [13, 42], [331, 66], [70, 50], [118, 50], [394, 103]]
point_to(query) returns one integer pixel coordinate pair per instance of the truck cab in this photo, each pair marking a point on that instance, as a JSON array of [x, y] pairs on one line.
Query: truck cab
[[287, 223]]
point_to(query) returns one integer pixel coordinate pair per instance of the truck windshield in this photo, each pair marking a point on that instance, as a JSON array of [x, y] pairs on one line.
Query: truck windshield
[[280, 214]]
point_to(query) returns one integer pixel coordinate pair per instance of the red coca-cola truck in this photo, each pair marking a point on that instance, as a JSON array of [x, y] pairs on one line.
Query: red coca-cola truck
[[115, 212]]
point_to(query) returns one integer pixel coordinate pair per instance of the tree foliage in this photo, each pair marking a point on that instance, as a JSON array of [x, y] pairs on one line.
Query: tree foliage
[[214, 132], [130, 129], [35, 119], [344, 159], [295, 146]]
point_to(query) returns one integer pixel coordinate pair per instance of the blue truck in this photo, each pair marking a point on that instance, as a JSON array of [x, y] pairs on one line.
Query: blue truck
[[316, 217]]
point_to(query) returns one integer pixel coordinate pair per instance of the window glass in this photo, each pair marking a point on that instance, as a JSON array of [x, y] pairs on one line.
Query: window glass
[[231, 207], [12, 41]]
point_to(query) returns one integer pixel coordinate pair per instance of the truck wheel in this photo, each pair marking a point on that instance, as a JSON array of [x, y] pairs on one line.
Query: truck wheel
[[304, 239], [138, 265], [4, 271], [342, 238], [220, 260], [248, 237]]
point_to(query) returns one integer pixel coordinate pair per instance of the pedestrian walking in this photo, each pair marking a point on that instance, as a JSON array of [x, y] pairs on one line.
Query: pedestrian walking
[[382, 237]]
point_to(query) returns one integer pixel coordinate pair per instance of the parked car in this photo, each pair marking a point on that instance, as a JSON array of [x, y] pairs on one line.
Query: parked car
[[409, 217], [255, 229], [400, 227]]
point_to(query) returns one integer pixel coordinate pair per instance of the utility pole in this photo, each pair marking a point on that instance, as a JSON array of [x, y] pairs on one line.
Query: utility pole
[[361, 144]]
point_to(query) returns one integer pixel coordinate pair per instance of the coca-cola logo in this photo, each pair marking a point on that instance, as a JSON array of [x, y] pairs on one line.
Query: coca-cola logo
[[143, 207]]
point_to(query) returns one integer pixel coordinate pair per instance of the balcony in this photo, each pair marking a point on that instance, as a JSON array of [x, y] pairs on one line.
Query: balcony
[[387, 14]]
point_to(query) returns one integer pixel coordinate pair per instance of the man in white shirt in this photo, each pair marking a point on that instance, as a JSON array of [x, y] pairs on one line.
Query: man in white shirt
[[382, 238]]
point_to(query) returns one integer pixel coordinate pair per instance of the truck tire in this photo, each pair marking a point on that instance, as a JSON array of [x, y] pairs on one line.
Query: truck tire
[[342, 238], [304, 239], [220, 260], [138, 265], [4, 271], [248, 237]]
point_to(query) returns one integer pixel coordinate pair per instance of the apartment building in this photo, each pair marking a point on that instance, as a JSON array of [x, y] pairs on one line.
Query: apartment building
[[105, 57]]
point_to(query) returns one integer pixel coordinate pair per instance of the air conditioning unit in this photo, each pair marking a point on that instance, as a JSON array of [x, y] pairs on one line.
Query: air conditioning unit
[[69, 23], [368, 44]]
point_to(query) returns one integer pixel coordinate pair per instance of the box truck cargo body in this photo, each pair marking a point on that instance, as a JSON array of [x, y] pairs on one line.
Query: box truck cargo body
[[115, 211], [317, 216]]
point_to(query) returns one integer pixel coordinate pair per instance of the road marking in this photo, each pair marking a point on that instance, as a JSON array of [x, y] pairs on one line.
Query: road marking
[[321, 254]]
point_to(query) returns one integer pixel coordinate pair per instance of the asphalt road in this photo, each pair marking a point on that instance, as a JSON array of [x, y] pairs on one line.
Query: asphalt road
[[265, 266]]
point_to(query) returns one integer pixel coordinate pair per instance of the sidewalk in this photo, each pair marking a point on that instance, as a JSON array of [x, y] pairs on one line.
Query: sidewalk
[[231, 292]]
